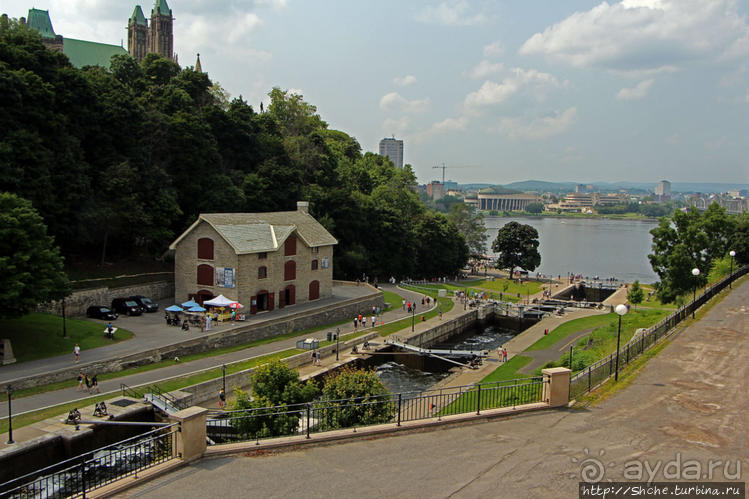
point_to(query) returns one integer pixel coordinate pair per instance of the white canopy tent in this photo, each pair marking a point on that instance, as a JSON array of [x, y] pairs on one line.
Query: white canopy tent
[[219, 301]]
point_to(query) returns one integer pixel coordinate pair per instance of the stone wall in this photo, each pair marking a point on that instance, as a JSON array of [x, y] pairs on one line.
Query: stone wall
[[79, 301], [220, 339]]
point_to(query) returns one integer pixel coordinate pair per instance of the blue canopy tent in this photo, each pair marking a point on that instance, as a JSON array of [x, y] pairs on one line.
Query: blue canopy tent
[[174, 308], [196, 308], [190, 304]]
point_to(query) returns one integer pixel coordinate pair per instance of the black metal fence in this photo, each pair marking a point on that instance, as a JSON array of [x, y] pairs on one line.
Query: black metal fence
[[77, 476], [327, 415], [600, 371]]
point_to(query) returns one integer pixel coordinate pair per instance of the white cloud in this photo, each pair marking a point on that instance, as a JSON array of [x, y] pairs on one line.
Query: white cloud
[[494, 49], [398, 126], [492, 93], [636, 93], [485, 68], [395, 102], [645, 35], [450, 13], [404, 81], [537, 128], [451, 124]]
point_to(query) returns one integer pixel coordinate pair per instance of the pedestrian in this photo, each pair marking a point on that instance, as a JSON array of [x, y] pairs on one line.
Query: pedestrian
[[77, 352], [95, 384], [440, 313], [499, 353], [80, 382], [373, 321], [88, 384], [403, 303], [110, 331], [317, 358], [504, 354], [221, 399], [364, 322], [422, 301], [356, 323]]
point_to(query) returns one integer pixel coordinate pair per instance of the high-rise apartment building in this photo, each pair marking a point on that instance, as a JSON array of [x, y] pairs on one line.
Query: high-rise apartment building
[[393, 149], [663, 189]]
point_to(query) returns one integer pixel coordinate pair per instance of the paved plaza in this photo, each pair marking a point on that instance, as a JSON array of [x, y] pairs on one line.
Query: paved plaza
[[688, 403]]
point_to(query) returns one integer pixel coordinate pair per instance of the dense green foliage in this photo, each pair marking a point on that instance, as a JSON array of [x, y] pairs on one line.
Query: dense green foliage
[[693, 239], [470, 223], [353, 397], [118, 161], [273, 384], [517, 246], [31, 268], [535, 208], [635, 294], [648, 210]]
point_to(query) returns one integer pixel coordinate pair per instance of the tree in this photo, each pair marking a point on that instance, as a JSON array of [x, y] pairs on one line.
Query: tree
[[635, 293], [517, 246], [470, 223], [31, 268], [273, 384], [354, 397], [535, 208]]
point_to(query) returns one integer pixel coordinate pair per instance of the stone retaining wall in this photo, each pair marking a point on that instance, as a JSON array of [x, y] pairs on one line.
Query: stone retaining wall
[[220, 339], [77, 303]]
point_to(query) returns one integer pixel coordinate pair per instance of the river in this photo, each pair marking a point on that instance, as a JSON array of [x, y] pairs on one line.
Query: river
[[588, 246]]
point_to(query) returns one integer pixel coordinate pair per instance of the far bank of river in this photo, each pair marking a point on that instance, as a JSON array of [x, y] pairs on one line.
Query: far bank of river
[[600, 247]]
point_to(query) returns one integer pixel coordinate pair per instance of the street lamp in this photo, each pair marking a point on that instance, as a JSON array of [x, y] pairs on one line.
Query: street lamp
[[337, 336], [465, 298], [10, 417], [413, 316], [695, 273], [732, 253], [223, 376], [620, 310]]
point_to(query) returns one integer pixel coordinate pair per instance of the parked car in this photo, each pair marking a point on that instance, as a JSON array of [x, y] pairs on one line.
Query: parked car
[[126, 306], [145, 303], [99, 312]]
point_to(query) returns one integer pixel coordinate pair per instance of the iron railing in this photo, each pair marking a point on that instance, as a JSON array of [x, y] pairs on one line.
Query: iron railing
[[595, 374], [326, 415], [77, 476]]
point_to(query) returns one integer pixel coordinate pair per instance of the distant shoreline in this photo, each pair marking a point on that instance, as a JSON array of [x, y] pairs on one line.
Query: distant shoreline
[[640, 218]]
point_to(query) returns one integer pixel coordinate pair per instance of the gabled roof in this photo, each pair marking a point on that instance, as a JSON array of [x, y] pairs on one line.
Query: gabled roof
[[83, 53], [40, 21], [263, 232], [138, 17]]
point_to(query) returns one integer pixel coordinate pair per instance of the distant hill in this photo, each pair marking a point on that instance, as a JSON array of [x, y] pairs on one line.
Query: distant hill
[[557, 187], [542, 186]]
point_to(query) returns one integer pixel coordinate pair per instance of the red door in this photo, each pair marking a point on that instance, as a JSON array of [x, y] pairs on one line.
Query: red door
[[281, 299], [253, 304], [271, 300]]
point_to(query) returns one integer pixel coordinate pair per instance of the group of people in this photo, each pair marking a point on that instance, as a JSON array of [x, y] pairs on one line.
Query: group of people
[[91, 385], [362, 320]]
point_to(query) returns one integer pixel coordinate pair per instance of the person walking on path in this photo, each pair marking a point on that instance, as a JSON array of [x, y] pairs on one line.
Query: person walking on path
[[373, 321], [403, 304], [499, 353], [95, 384], [504, 354], [80, 382], [221, 399], [364, 322], [356, 323], [77, 352], [88, 384]]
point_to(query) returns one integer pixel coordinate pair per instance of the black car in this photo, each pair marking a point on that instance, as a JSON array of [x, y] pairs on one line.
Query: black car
[[99, 312], [145, 303], [126, 306]]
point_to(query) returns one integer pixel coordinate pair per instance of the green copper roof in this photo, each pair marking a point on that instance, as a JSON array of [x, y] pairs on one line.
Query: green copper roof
[[39, 20], [138, 16], [82, 53], [162, 8]]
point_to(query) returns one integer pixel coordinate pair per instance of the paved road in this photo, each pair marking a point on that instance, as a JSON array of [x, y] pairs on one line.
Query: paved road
[[689, 403], [148, 323]]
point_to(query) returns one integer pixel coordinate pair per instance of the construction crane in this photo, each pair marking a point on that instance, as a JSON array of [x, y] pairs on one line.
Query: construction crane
[[444, 167]]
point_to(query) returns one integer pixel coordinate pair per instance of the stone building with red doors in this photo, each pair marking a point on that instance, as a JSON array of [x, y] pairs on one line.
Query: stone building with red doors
[[261, 260]]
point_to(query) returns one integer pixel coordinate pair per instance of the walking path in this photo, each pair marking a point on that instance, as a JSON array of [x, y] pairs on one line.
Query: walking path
[[552, 353], [687, 405], [56, 397]]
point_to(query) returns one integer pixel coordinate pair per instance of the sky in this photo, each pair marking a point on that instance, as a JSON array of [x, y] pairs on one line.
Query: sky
[[496, 90]]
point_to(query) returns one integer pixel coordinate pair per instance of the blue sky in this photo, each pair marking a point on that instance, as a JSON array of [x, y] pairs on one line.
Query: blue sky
[[558, 90]]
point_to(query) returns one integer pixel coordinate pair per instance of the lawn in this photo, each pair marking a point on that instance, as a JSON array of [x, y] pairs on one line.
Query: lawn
[[392, 298], [37, 336], [570, 327]]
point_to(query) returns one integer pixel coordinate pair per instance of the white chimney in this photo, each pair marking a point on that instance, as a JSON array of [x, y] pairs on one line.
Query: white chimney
[[302, 206]]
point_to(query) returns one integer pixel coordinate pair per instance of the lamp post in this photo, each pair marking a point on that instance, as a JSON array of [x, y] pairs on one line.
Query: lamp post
[[732, 253], [465, 298], [10, 417], [223, 377], [413, 316], [695, 273], [337, 336], [620, 310]]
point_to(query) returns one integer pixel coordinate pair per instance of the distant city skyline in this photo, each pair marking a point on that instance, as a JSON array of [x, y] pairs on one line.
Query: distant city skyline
[[574, 90]]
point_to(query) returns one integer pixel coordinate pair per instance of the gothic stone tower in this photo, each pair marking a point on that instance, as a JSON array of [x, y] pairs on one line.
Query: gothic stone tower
[[161, 37], [137, 34]]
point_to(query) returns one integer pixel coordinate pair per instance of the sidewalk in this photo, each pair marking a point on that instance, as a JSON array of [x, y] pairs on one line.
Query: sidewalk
[[48, 399]]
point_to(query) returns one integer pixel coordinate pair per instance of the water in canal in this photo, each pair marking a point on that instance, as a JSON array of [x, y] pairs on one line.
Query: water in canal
[[399, 375]]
